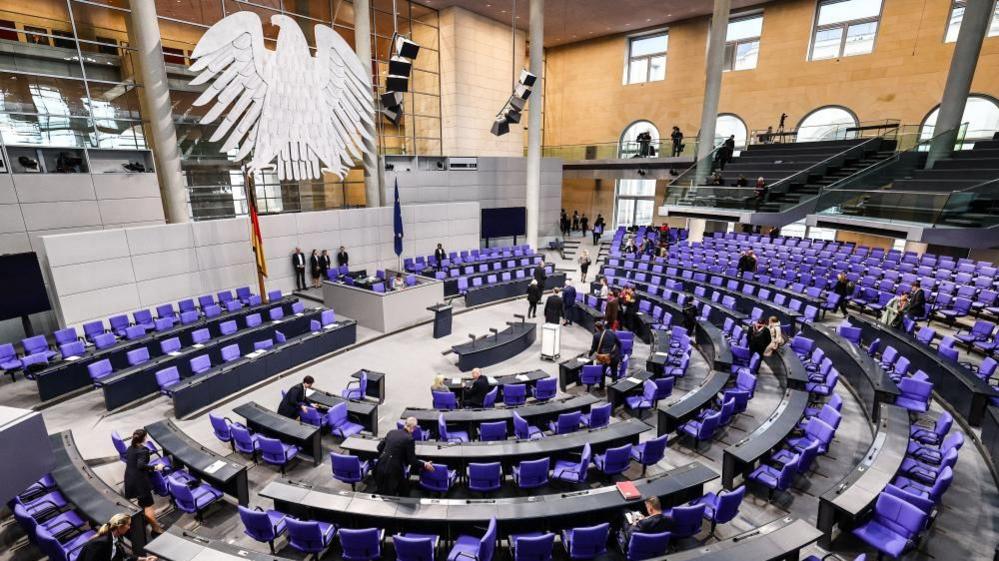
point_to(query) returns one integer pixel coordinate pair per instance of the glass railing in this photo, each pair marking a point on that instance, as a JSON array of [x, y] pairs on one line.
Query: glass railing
[[974, 207], [620, 150], [818, 133], [977, 207]]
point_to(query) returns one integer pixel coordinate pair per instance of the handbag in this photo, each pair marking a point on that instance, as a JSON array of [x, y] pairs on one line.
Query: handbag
[[602, 358]]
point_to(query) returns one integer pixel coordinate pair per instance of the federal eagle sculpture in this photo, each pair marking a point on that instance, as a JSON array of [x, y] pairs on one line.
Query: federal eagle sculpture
[[306, 112]]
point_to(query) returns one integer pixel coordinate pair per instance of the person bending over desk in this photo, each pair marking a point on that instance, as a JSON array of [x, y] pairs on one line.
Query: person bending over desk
[[475, 395], [634, 521], [296, 399], [107, 544], [396, 452]]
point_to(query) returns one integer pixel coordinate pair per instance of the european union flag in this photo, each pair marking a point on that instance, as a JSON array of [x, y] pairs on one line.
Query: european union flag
[[398, 221]]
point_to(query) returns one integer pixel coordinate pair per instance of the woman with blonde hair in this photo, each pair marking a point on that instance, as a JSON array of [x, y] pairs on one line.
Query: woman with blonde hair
[[107, 545], [776, 336], [439, 385], [584, 264]]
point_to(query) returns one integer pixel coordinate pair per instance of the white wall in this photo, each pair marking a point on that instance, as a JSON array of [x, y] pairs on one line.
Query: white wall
[[100, 273]]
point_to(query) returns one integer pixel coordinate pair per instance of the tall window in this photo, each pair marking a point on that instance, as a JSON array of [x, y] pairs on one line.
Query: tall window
[[647, 58], [742, 42], [731, 125], [827, 123], [981, 113], [957, 14], [636, 202], [845, 28]]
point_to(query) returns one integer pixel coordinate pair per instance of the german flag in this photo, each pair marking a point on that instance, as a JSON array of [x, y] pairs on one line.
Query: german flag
[[255, 237]]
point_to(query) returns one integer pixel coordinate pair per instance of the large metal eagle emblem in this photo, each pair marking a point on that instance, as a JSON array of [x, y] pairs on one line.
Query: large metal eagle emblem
[[284, 108]]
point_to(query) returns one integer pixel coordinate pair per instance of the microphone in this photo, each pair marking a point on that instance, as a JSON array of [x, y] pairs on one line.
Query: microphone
[[495, 332], [521, 317]]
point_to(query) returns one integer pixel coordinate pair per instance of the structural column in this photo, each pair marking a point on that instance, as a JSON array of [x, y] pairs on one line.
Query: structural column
[[537, 40], [977, 17], [144, 31], [695, 229], [712, 86], [374, 194]]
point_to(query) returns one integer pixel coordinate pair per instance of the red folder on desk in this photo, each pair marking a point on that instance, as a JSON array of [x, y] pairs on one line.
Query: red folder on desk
[[628, 490]]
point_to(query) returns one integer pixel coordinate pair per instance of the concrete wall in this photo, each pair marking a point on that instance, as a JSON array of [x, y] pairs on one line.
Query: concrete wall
[[99, 273], [477, 55], [497, 182]]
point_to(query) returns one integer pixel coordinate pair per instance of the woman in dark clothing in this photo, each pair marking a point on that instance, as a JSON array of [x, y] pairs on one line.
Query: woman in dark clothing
[[843, 289], [533, 297], [315, 267], [107, 544], [611, 312], [324, 264], [137, 484]]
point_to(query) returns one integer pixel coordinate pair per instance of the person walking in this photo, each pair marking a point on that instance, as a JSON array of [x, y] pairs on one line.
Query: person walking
[[533, 297], [575, 220], [605, 349], [843, 288], [584, 224], [584, 264], [138, 466]]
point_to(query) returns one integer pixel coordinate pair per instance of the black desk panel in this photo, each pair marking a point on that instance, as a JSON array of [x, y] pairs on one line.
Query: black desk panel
[[633, 383], [364, 413], [788, 368], [850, 499], [448, 517], [682, 408], [990, 434], [511, 452], [742, 457], [94, 499], [780, 540], [568, 370], [713, 343], [864, 375], [509, 289], [376, 384], [227, 475], [459, 385], [269, 423], [493, 349], [177, 544], [961, 388], [537, 414]]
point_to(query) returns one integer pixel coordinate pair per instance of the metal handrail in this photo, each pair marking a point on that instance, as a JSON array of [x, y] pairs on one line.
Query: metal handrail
[[807, 171], [758, 134]]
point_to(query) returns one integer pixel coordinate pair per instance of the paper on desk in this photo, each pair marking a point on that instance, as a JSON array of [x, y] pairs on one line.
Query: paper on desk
[[173, 353], [71, 358], [308, 393], [215, 466], [583, 359], [491, 380], [523, 377], [255, 353], [660, 353], [299, 314], [197, 345], [634, 380]]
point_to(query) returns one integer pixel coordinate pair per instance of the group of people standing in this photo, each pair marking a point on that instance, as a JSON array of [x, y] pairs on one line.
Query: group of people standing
[[577, 223], [319, 264]]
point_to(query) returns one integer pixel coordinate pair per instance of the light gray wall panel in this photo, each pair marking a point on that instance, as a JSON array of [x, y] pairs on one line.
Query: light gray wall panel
[[150, 266], [49, 216], [89, 277], [170, 288], [127, 186], [130, 211], [7, 194], [212, 232], [87, 247], [54, 187], [16, 242], [99, 303], [154, 239], [10, 219]]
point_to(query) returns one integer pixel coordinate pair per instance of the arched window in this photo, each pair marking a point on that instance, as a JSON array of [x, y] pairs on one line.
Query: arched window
[[980, 112], [827, 123], [728, 125], [629, 145]]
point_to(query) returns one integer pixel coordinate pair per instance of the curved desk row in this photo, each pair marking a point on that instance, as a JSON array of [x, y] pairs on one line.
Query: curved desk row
[[177, 544], [225, 474], [709, 337], [261, 420], [850, 499], [511, 452], [780, 540], [679, 410], [94, 499], [788, 368], [530, 378], [493, 349], [136, 382], [868, 380], [743, 456], [967, 393], [451, 283], [509, 289], [70, 375], [362, 412], [448, 517], [534, 413], [197, 392]]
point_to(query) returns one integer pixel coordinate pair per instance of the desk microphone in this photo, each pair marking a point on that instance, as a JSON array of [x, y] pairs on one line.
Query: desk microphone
[[495, 332], [744, 536], [194, 537], [521, 317]]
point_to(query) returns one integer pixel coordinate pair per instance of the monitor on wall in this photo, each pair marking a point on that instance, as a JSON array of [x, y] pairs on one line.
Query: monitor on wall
[[23, 288], [504, 222]]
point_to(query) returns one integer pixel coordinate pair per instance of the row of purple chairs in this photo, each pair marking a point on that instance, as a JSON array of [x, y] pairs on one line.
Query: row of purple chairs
[[514, 395], [466, 257]]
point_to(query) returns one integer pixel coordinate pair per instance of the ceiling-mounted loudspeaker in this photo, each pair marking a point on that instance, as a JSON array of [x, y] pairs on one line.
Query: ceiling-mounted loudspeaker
[[523, 92], [396, 83], [391, 99], [400, 66], [393, 114], [526, 78], [512, 115], [517, 103], [500, 126], [405, 47]]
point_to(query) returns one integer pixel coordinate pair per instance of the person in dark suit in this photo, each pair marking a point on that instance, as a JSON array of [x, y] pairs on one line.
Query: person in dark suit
[[553, 308], [689, 316], [295, 399], [324, 265], [342, 258], [107, 545], [539, 273], [842, 287], [476, 394], [606, 342], [568, 303], [759, 338], [440, 255], [396, 452], [314, 267], [916, 308], [653, 523], [137, 484], [298, 263], [533, 297]]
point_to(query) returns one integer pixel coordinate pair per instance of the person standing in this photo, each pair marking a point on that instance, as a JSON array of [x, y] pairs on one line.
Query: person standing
[[605, 348], [759, 338], [612, 310], [842, 287], [138, 466], [533, 297], [760, 191], [554, 307], [776, 336], [604, 289], [314, 268], [396, 452], [584, 264], [726, 152], [298, 263], [342, 258], [598, 228], [677, 137], [584, 224], [916, 308], [569, 303], [475, 395], [540, 274], [107, 545], [296, 399], [575, 220], [439, 256], [324, 265]]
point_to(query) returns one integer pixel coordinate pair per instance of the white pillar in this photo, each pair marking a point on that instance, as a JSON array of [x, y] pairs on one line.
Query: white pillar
[[144, 30], [695, 229], [373, 193], [712, 86], [977, 17], [537, 104]]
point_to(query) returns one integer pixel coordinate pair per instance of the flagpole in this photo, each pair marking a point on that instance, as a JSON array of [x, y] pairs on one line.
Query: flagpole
[[251, 199]]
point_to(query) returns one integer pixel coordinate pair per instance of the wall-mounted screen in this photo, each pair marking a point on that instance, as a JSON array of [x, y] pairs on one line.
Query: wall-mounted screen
[[23, 287], [504, 222]]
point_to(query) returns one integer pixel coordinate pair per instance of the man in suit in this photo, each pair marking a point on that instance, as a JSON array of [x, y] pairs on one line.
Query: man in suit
[[396, 452], [553, 308], [298, 262], [342, 259], [605, 342], [440, 255], [539, 273], [477, 393], [653, 523], [569, 303], [295, 400], [917, 301]]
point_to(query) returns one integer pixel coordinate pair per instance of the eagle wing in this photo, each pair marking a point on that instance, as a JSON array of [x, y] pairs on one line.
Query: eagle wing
[[345, 99], [231, 55]]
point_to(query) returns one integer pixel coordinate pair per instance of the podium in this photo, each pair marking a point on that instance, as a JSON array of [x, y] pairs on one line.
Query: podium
[[442, 320]]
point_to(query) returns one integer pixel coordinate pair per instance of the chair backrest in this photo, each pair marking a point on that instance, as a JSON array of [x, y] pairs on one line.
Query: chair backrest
[[64, 336], [167, 377], [617, 459], [227, 327], [230, 352], [257, 524], [898, 515], [92, 329], [200, 363], [253, 320], [271, 449], [221, 427], [437, 478], [305, 535], [600, 415], [728, 504], [408, 548], [514, 394], [521, 429], [72, 348], [646, 546], [275, 313], [568, 422], [444, 399], [134, 332], [654, 450], [533, 547], [362, 544], [534, 472], [492, 431], [119, 444], [337, 415], [589, 542], [200, 336], [591, 374]]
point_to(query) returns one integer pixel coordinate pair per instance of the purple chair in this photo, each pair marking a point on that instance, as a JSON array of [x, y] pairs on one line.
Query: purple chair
[[57, 550], [311, 416], [530, 474], [649, 452], [118, 324], [485, 478], [93, 329], [221, 428], [566, 423], [599, 416], [449, 435], [915, 395], [309, 536], [99, 370], [338, 423], [444, 400], [935, 436], [816, 430], [587, 542], [514, 394], [492, 431], [275, 313], [646, 546], [275, 452], [65, 336], [523, 431], [980, 331], [8, 358], [471, 547], [591, 375], [361, 545], [544, 389], [264, 526], [701, 429], [358, 392], [614, 461], [415, 547], [230, 352], [72, 349], [200, 364], [574, 472], [643, 402], [439, 480], [227, 327], [243, 441], [192, 500], [722, 507], [37, 345], [776, 479], [685, 520], [166, 379], [253, 320], [893, 527], [536, 546]]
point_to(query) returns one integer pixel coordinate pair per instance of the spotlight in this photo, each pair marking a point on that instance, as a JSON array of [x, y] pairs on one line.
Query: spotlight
[[405, 47], [514, 107], [396, 83], [400, 66], [526, 78], [393, 114], [522, 92], [517, 103], [512, 115], [500, 126]]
